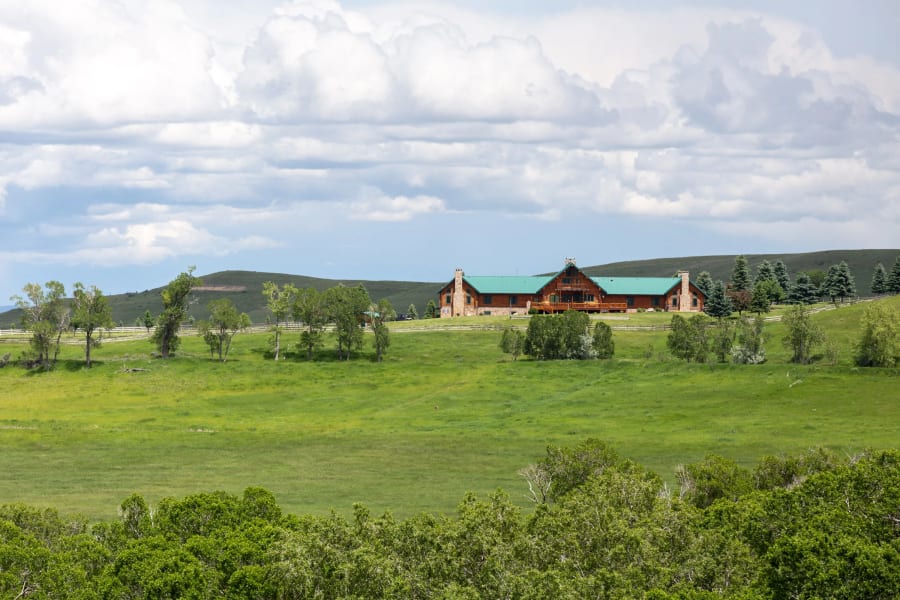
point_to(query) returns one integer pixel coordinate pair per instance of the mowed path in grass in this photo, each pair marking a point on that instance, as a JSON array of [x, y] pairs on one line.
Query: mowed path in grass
[[446, 413]]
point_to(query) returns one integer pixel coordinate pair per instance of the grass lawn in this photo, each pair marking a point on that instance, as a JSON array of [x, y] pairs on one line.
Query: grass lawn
[[444, 414]]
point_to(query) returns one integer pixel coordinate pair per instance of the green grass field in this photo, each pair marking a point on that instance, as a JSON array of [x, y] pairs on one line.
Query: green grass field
[[445, 413]]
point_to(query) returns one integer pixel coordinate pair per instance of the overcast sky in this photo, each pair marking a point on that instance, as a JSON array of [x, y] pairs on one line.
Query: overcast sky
[[382, 140]]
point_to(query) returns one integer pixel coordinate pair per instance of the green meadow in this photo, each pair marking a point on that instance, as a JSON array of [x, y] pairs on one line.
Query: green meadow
[[445, 413]]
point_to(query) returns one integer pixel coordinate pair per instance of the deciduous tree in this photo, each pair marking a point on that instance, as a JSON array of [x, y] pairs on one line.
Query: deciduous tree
[[175, 300], [689, 339], [803, 335], [512, 342], [224, 323], [602, 340], [380, 314], [91, 312], [280, 301], [309, 308], [46, 316], [879, 341], [346, 308]]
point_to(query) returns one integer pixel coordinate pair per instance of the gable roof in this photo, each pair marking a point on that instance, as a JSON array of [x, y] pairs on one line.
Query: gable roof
[[508, 284], [651, 286]]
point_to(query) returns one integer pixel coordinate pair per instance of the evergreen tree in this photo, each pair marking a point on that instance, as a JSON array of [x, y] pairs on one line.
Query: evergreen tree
[[740, 275], [764, 272], [879, 280], [717, 303], [803, 291], [831, 285], [844, 285], [759, 301], [412, 313], [704, 283], [893, 282], [781, 275], [431, 311]]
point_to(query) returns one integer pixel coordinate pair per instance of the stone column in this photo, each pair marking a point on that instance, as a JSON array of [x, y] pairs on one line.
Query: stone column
[[459, 294], [684, 298]]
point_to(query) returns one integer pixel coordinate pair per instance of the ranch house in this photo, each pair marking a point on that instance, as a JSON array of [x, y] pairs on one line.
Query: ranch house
[[570, 289]]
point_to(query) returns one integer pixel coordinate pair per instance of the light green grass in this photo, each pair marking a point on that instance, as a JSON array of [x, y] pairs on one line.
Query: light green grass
[[444, 414]]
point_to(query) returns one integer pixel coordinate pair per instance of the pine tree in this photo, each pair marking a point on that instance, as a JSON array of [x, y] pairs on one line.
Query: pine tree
[[740, 275], [879, 280], [431, 311], [717, 303], [704, 283], [759, 302], [831, 284], [846, 286], [412, 313], [781, 275], [893, 282], [803, 291], [764, 272]]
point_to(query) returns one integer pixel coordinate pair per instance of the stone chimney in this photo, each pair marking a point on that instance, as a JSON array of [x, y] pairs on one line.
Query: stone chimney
[[684, 298], [458, 308]]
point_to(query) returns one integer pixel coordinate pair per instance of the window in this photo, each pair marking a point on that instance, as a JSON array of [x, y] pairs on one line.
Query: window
[[468, 299], [554, 298], [487, 299], [588, 297], [694, 301], [629, 301], [567, 280], [674, 300], [448, 299], [513, 300]]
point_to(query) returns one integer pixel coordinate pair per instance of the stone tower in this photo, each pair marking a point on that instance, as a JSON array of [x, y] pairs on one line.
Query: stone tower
[[459, 294], [685, 303]]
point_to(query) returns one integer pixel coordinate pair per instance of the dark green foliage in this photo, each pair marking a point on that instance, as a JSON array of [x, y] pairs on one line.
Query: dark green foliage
[[839, 282], [309, 308], [712, 479], [411, 312], [781, 274], [893, 281], [764, 272], [346, 309], [704, 283], [602, 340], [551, 337], [431, 310], [879, 280], [809, 526], [759, 299], [147, 320], [381, 313], [175, 299], [740, 274], [689, 338], [803, 291], [718, 304]]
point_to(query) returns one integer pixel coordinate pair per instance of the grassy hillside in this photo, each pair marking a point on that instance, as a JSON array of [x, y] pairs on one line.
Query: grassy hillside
[[444, 414], [861, 262]]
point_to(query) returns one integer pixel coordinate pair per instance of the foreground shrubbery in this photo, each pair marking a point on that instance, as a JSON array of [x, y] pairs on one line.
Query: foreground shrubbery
[[795, 527]]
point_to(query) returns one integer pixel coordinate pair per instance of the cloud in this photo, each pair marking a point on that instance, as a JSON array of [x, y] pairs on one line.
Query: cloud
[[154, 135]]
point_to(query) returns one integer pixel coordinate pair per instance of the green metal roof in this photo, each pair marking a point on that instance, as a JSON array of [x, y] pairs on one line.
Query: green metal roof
[[508, 284], [636, 286]]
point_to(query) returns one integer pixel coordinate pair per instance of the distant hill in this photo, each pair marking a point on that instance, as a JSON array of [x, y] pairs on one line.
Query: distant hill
[[245, 287], [861, 262]]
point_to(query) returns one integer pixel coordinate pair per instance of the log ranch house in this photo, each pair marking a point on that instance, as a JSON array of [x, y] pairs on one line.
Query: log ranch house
[[570, 289]]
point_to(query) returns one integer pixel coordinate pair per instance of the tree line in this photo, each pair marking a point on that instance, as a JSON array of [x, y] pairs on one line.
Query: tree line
[[813, 525], [772, 284]]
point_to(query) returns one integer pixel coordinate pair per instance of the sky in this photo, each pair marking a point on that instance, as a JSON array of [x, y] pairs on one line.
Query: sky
[[369, 139]]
